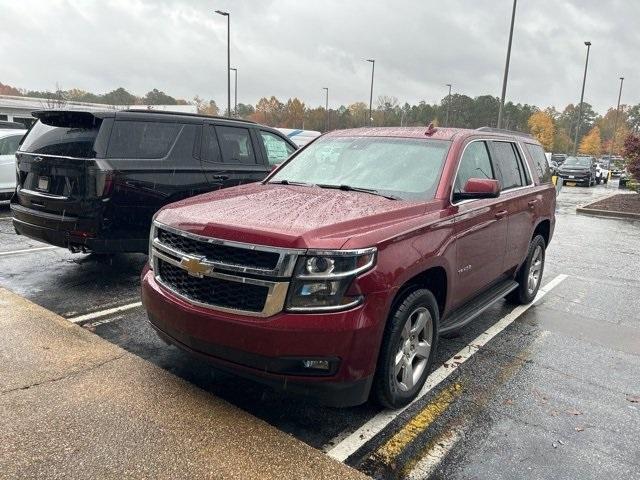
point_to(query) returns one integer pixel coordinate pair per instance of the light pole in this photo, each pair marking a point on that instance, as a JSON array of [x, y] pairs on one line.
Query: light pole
[[615, 124], [446, 123], [373, 69], [226, 14], [584, 81], [326, 107], [235, 92], [506, 66]]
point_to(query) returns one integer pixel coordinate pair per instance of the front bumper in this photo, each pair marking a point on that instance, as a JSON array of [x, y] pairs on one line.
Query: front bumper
[[271, 350], [578, 177]]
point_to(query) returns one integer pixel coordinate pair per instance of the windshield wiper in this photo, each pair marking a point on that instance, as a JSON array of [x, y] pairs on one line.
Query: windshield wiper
[[290, 182], [349, 188]]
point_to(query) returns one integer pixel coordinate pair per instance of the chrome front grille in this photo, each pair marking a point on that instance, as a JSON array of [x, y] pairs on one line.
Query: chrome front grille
[[214, 291], [222, 275], [217, 252]]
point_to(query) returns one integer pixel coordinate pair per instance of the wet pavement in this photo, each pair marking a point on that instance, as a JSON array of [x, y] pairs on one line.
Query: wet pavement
[[553, 395]]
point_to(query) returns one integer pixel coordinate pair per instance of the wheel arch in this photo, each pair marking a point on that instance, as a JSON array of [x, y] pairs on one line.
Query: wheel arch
[[543, 228], [434, 279]]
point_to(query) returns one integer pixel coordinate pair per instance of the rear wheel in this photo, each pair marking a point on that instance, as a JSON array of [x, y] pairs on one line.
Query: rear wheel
[[408, 348], [529, 276]]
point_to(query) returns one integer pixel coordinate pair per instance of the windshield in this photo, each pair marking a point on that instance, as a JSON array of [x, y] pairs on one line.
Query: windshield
[[405, 168], [578, 161]]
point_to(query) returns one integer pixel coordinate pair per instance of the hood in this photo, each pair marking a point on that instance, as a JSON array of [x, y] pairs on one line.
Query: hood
[[290, 216]]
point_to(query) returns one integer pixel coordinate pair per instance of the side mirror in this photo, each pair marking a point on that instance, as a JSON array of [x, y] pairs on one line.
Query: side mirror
[[479, 188], [274, 167]]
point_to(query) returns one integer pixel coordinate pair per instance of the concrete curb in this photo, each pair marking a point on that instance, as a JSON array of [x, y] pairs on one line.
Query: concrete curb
[[608, 213], [73, 405]]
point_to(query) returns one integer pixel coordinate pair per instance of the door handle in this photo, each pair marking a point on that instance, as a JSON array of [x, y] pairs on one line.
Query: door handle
[[501, 214], [220, 177], [532, 203]]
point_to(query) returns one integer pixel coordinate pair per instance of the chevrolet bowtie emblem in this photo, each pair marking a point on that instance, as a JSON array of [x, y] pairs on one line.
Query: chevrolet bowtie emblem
[[195, 266]]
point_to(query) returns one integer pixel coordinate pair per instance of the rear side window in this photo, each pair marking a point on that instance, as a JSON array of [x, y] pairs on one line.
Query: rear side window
[[277, 149], [540, 161], [475, 163], [141, 139], [210, 146], [9, 145], [66, 141], [235, 144], [510, 169]]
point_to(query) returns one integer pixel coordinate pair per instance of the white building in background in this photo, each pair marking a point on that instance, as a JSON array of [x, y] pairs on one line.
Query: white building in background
[[18, 109]]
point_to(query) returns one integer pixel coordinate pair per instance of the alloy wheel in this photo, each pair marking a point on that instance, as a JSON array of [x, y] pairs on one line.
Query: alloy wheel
[[535, 270], [414, 348]]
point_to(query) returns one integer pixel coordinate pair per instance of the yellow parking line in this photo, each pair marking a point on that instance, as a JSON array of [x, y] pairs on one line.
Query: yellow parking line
[[418, 424]]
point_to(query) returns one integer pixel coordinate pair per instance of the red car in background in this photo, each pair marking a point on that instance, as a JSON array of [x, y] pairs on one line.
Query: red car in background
[[336, 275]]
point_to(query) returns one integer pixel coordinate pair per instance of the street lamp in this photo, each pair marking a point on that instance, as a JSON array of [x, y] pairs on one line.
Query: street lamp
[[615, 124], [373, 68], [235, 92], [446, 123], [326, 108], [506, 66], [226, 14], [584, 81]]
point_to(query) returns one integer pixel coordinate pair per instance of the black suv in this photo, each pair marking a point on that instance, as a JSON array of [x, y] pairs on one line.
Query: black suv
[[578, 170], [91, 181]]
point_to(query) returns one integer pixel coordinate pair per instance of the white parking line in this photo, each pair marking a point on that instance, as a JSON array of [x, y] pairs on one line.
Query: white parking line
[[104, 313], [350, 444], [25, 250], [5, 218]]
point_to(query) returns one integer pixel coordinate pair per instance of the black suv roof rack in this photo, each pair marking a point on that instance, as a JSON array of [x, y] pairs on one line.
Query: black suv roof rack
[[503, 130], [186, 114]]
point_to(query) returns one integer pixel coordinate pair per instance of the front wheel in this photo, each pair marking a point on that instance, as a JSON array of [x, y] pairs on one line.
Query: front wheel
[[529, 276], [409, 345]]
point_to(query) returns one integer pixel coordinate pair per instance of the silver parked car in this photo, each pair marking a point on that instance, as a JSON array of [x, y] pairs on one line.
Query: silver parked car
[[9, 140]]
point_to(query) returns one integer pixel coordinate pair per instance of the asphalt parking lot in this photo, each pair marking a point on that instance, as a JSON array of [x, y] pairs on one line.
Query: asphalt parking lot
[[550, 391]]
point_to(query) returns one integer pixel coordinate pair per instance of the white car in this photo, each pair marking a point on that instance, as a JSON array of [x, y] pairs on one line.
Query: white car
[[300, 137], [9, 140], [602, 173]]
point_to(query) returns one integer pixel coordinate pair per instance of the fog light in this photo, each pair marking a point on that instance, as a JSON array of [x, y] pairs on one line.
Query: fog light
[[316, 364]]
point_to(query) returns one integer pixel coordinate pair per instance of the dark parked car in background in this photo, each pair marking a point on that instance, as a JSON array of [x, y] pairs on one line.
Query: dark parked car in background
[[91, 181], [578, 170]]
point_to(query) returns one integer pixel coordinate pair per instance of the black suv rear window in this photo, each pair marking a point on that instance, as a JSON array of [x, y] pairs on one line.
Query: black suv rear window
[[130, 139], [66, 141]]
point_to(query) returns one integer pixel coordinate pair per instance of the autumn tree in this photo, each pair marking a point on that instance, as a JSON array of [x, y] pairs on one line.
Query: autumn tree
[[156, 97], [631, 153], [591, 143], [294, 114], [8, 90], [542, 127]]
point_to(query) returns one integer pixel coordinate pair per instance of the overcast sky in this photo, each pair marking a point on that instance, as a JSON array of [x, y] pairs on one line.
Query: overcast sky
[[293, 48]]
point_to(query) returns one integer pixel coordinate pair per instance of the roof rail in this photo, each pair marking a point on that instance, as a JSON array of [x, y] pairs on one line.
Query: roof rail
[[186, 114], [503, 130]]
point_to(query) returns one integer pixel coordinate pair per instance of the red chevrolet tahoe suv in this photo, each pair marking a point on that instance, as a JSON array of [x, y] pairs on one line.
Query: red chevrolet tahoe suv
[[336, 275]]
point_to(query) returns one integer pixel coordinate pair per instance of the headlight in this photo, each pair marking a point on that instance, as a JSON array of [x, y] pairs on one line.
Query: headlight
[[322, 278], [152, 236]]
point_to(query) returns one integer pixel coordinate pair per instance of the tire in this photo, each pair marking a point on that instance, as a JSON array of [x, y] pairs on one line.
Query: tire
[[406, 354], [598, 179], [525, 294]]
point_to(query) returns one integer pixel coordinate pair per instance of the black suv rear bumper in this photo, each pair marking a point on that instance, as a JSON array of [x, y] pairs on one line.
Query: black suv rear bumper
[[73, 233]]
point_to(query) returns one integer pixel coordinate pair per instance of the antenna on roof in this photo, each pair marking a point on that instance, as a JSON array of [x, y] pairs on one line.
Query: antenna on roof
[[430, 130]]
